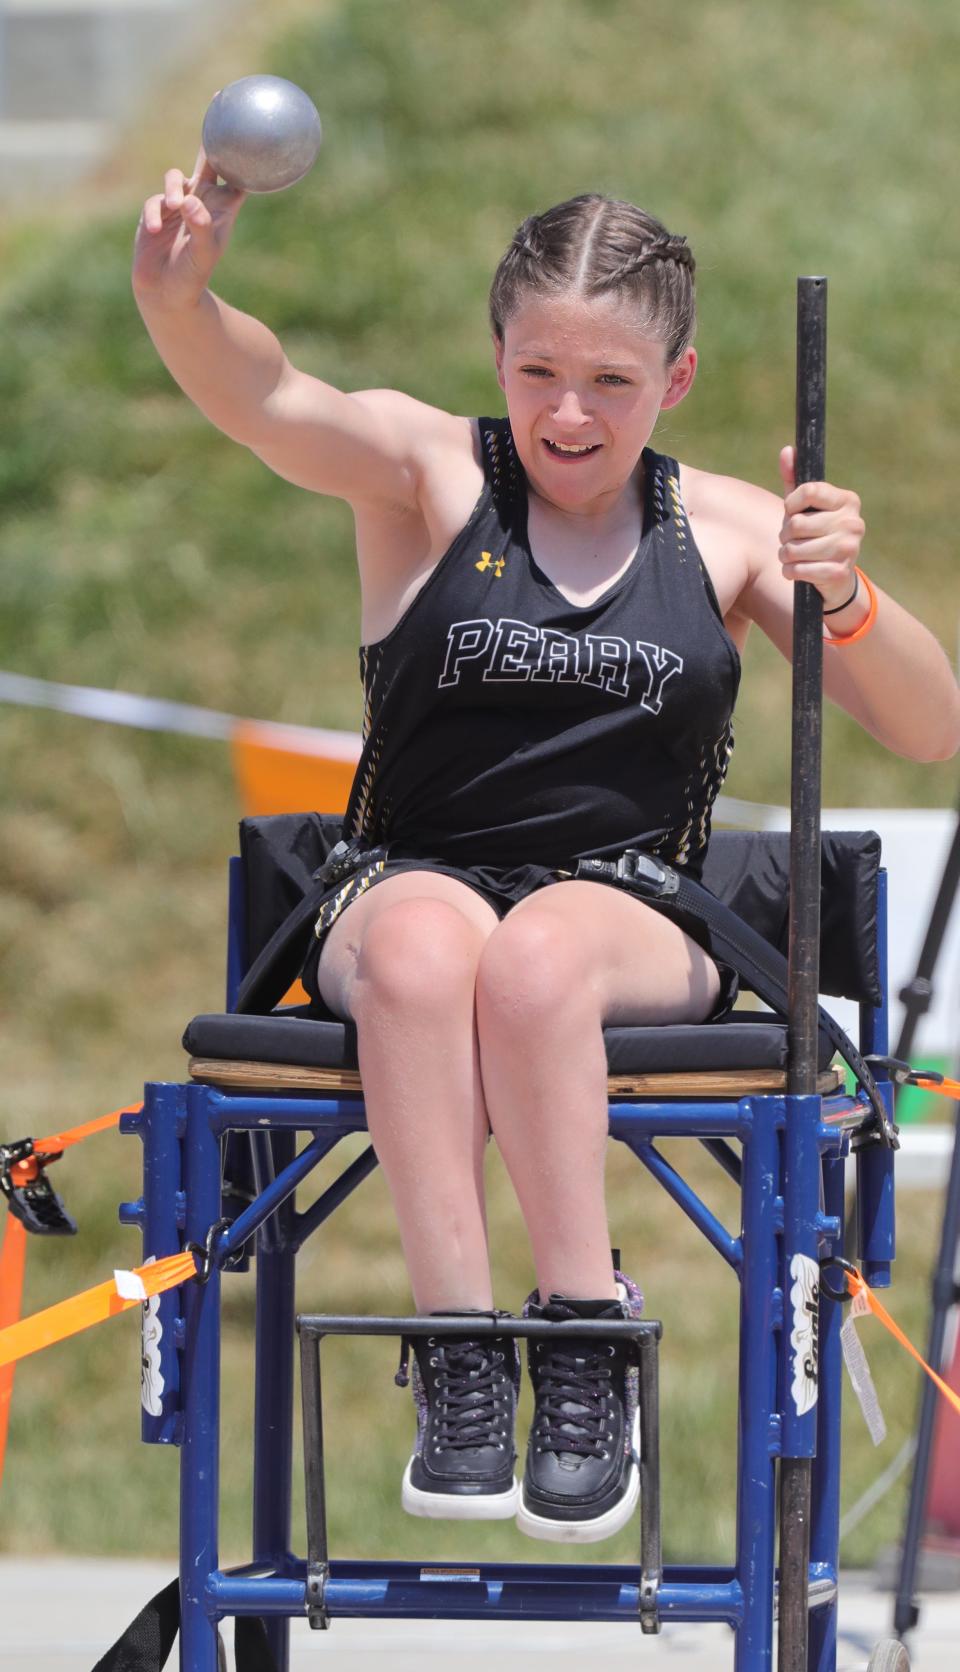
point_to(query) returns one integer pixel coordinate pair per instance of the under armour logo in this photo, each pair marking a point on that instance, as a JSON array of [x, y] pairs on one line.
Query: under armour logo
[[487, 561]]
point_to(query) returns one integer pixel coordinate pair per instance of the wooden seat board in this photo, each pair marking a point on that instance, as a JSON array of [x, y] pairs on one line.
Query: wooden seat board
[[699, 1083]]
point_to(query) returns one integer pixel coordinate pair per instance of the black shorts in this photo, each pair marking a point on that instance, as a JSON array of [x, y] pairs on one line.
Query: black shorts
[[501, 886]]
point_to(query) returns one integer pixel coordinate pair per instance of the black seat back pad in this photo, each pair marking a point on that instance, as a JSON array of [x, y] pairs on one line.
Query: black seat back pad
[[731, 940]]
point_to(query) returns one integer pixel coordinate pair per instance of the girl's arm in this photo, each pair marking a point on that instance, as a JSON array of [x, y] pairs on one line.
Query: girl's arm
[[364, 448], [895, 680]]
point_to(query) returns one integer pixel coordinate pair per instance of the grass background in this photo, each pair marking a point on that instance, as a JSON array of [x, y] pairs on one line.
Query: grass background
[[141, 550]]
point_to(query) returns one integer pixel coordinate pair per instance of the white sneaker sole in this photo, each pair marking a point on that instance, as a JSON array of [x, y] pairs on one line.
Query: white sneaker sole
[[451, 1506], [597, 1527]]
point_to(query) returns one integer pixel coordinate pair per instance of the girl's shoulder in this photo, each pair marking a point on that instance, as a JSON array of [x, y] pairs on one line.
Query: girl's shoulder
[[728, 501], [736, 526], [421, 426]]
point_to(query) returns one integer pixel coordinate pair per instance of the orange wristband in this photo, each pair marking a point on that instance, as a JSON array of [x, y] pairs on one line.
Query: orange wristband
[[865, 626]]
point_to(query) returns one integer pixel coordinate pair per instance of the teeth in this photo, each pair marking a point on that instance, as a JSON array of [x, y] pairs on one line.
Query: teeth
[[563, 447]]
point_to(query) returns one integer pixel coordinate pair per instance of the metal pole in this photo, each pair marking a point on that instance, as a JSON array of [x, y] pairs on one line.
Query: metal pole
[[916, 995], [946, 1293], [804, 943]]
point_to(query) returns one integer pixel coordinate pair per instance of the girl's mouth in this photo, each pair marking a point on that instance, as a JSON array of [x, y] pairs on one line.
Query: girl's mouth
[[570, 452]]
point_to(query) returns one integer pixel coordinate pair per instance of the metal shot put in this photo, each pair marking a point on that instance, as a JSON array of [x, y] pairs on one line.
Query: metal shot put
[[261, 133]]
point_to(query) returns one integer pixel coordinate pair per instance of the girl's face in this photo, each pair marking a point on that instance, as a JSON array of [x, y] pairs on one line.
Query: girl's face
[[584, 388]]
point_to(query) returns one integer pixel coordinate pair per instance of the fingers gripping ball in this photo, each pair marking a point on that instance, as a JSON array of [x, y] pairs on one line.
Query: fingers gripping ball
[[261, 133]]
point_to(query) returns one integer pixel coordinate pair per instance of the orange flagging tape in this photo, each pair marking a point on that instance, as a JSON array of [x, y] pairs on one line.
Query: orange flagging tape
[[93, 1306], [12, 1261], [857, 1286], [59, 1141], [946, 1086]]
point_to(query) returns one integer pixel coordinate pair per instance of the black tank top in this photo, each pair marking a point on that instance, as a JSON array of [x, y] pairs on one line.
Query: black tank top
[[504, 725]]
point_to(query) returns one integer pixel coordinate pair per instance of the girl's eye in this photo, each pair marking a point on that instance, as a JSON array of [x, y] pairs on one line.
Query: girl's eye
[[612, 377], [535, 371]]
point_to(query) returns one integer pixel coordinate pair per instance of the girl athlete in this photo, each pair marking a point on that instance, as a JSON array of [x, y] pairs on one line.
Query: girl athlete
[[552, 620]]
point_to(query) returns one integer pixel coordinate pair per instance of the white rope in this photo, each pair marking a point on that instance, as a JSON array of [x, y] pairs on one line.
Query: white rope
[[120, 708], [879, 1489], [126, 708]]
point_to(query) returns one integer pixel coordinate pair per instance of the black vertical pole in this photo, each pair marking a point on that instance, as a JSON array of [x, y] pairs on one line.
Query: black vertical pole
[[916, 996], [946, 1293], [804, 947], [804, 944]]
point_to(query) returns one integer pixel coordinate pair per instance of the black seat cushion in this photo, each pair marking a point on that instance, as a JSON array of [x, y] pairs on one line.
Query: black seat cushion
[[747, 1039]]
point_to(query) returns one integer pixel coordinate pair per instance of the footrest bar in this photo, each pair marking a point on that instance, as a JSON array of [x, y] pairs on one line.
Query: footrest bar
[[316, 1326], [452, 1590], [644, 1332]]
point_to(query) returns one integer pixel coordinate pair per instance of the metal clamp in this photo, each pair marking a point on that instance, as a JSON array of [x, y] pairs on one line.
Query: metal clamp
[[10, 1154], [650, 1604], [33, 1199], [316, 1596], [204, 1251], [901, 1073], [841, 1265]]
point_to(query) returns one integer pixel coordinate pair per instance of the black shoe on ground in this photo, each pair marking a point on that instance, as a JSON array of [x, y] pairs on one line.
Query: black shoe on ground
[[466, 1396], [582, 1476]]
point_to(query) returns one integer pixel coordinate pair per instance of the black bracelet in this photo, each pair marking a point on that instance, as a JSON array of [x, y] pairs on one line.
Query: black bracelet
[[847, 601]]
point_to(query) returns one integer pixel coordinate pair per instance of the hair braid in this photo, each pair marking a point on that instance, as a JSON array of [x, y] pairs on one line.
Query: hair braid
[[674, 248], [528, 240], [594, 245]]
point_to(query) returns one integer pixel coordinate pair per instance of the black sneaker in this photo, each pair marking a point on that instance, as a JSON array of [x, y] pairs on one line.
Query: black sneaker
[[466, 1396], [582, 1477]]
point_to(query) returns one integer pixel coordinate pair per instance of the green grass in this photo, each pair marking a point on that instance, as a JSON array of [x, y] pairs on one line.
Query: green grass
[[141, 550]]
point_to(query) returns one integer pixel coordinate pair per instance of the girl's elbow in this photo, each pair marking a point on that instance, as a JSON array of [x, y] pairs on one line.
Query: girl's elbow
[[943, 752], [938, 743]]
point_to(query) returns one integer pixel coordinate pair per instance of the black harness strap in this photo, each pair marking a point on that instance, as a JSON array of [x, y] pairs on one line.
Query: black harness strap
[[279, 963], [148, 1640], [761, 966]]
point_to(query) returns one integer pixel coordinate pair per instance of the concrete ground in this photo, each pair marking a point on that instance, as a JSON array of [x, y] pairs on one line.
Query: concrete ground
[[58, 1615]]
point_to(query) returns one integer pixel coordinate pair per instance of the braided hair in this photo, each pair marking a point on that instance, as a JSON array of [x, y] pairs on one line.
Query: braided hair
[[597, 245]]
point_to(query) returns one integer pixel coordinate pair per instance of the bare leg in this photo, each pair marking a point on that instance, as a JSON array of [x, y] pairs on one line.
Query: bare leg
[[564, 962], [402, 962]]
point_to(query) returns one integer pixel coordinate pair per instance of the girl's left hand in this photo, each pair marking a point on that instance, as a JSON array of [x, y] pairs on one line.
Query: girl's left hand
[[821, 534]]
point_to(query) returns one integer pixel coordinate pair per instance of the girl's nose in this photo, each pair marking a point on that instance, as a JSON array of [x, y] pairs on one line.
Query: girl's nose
[[569, 410]]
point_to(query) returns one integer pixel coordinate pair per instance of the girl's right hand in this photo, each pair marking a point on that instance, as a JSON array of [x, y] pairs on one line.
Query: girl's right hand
[[182, 233]]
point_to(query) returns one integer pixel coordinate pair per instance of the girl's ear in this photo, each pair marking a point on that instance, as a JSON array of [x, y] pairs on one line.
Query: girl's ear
[[682, 374], [498, 356]]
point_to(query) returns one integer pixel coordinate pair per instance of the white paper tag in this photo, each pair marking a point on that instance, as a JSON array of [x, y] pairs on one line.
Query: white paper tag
[[861, 1380], [860, 1305], [129, 1285]]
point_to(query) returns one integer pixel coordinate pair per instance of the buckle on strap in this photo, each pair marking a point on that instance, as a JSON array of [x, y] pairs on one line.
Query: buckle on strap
[[643, 873], [346, 858], [30, 1195]]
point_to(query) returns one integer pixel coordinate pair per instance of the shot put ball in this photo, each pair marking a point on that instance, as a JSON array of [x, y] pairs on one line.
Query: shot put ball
[[261, 133]]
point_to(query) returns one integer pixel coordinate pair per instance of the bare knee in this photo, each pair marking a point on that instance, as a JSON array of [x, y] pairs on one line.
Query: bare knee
[[418, 956], [531, 975]]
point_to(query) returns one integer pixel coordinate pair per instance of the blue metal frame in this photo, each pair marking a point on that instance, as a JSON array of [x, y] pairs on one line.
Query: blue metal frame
[[791, 1161]]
